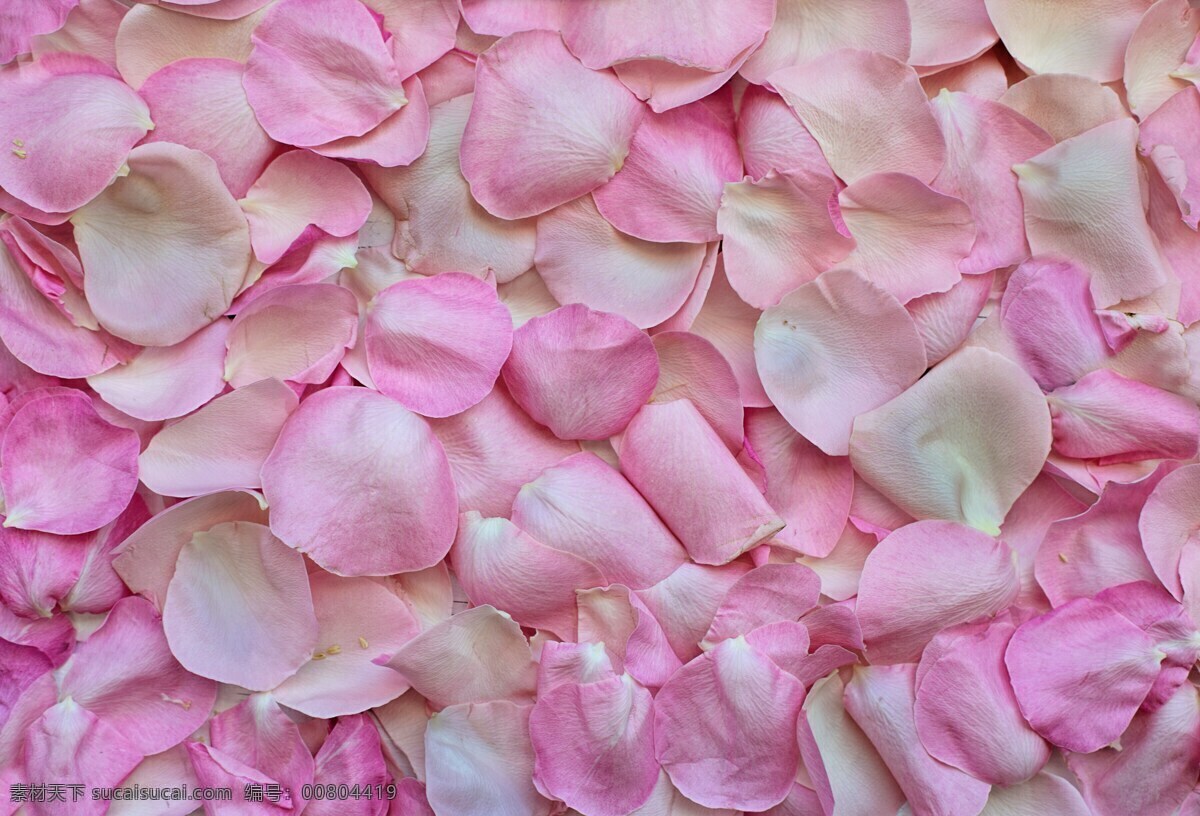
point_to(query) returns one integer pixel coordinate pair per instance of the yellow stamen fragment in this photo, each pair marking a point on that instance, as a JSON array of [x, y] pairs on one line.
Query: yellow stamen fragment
[[1062, 557], [362, 641], [334, 649], [319, 656], [19, 142], [19, 153]]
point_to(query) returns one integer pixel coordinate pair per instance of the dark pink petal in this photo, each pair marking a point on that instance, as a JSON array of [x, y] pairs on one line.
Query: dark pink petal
[[24, 20], [582, 374], [319, 71], [734, 757], [676, 460], [37, 570], [217, 769], [189, 239], [320, 475], [544, 129], [880, 699], [351, 755], [587, 509], [1080, 672], [74, 130], [867, 111], [764, 595], [474, 656], [262, 737], [22, 665], [499, 564], [685, 602], [66, 470], [436, 345]]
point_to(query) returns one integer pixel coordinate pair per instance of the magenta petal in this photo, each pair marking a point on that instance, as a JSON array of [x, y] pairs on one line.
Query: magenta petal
[[319, 472], [257, 734], [1080, 672], [37, 570], [66, 470]]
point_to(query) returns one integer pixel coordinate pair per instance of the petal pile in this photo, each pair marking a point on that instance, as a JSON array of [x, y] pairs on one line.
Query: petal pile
[[600, 407]]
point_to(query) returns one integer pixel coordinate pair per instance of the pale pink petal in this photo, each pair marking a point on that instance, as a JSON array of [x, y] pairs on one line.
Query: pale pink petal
[[735, 757], [238, 585], [59, 156], [1041, 505], [91, 29], [146, 559], [584, 259], [685, 602], [1064, 105], [494, 448], [665, 86], [543, 128], [983, 77], [398, 140], [1047, 37], [690, 367], [1108, 417], [297, 332], [66, 470], [182, 97], [152, 700], [631, 635], [350, 756], [666, 800], [764, 595], [422, 30], [319, 476], [593, 745], [1168, 525], [841, 568], [966, 713], [148, 278], [23, 20], [1156, 50], [499, 564], [216, 9], [807, 29], [679, 463], [150, 38], [880, 699], [1098, 548], [1044, 793], [440, 227], [833, 349], [168, 769], [944, 319], [165, 382], [911, 239], [99, 586], [475, 656], [319, 71], [1082, 200], [670, 185], [436, 345], [984, 140], [503, 17], [1080, 672], [726, 321], [1168, 138], [771, 138], [582, 374], [926, 576], [479, 761], [962, 444], [401, 726], [848, 774], [584, 507], [868, 112], [777, 233], [948, 32]]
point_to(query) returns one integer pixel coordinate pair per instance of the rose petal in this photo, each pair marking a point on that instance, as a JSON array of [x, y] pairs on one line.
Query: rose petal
[[26, 19], [398, 140], [1064, 105], [690, 367], [1158, 45], [150, 38], [352, 754], [1167, 138], [764, 595], [945, 319], [946, 32], [685, 602], [728, 322]]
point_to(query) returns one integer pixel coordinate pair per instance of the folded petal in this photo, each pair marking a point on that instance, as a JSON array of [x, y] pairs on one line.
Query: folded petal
[[1082, 200], [880, 699], [586, 508], [669, 187], [67, 134], [440, 226], [238, 585], [771, 138], [582, 374], [945, 319], [99, 586], [1093, 45], [543, 129], [1080, 672], [683, 469], [924, 577], [665, 86], [764, 595], [479, 761], [833, 349], [319, 71], [319, 474], [980, 431], [734, 757], [807, 29], [37, 570], [473, 657], [777, 233], [164, 249], [66, 470], [436, 345], [182, 97], [1064, 105], [690, 367], [910, 239], [1156, 50], [1167, 137], [631, 635], [153, 702], [867, 111], [685, 602]]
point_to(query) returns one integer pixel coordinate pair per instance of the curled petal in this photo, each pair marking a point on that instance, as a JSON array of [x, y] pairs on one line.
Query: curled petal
[[631, 635], [1168, 138], [685, 602], [690, 367]]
